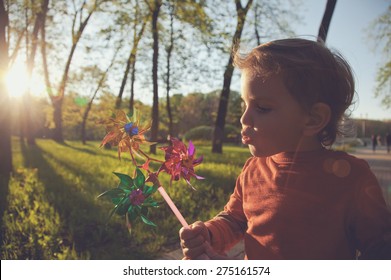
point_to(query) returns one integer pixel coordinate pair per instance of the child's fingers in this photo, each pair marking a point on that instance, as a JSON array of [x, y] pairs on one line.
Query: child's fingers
[[196, 253], [194, 242], [194, 229], [212, 254]]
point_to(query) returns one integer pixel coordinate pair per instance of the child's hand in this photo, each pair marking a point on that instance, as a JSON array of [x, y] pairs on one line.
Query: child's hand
[[195, 243]]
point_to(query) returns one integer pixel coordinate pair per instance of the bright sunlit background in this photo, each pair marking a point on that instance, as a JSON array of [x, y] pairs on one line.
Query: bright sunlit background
[[18, 82]]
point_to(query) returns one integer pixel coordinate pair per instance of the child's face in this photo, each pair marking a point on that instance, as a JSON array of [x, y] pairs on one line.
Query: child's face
[[273, 120]]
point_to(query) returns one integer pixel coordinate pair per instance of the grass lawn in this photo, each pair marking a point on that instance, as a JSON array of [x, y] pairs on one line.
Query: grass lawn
[[51, 210]]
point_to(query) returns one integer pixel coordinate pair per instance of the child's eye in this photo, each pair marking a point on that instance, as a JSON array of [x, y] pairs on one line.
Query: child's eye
[[263, 109]]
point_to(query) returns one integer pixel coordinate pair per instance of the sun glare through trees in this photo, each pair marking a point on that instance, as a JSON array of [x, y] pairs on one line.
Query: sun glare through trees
[[18, 82]]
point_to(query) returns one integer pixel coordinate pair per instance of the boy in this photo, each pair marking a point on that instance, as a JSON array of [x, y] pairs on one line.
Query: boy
[[295, 199]]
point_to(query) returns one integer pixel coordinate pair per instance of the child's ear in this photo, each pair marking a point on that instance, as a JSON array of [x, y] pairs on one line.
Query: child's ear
[[318, 118]]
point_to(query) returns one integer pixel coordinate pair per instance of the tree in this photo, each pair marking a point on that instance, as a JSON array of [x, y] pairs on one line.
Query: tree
[[154, 8], [271, 18], [79, 23], [169, 49], [188, 11], [325, 24], [218, 134], [40, 15], [175, 109], [184, 16], [257, 22], [90, 102], [131, 61], [381, 36], [5, 122]]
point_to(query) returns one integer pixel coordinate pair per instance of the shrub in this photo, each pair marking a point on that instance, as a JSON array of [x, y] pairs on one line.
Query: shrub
[[202, 132], [231, 133]]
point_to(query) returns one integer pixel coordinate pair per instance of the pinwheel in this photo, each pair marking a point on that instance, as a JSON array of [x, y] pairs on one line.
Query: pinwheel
[[180, 162], [132, 198], [126, 132]]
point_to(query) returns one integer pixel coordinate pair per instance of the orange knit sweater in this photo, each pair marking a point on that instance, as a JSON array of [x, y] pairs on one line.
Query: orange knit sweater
[[309, 205]]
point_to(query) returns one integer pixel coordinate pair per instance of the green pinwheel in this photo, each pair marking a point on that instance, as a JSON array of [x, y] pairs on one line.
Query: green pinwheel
[[132, 198]]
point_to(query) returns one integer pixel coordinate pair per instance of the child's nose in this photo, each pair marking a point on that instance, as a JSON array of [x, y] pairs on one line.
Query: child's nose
[[245, 120]]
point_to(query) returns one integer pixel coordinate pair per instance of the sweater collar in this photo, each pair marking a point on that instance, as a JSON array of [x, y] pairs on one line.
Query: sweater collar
[[298, 157]]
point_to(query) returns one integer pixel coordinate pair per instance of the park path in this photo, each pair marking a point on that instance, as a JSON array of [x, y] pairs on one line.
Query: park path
[[380, 164]]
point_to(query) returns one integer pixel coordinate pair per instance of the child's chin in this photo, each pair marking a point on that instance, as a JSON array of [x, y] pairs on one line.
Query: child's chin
[[258, 152], [255, 152]]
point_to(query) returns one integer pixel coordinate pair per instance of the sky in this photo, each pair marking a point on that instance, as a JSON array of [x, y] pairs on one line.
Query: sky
[[348, 35]]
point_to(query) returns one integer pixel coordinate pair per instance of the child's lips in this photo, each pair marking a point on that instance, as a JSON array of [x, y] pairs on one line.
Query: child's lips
[[246, 139]]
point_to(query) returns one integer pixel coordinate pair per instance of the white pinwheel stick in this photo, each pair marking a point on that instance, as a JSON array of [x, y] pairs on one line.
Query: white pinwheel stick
[[153, 178], [173, 207]]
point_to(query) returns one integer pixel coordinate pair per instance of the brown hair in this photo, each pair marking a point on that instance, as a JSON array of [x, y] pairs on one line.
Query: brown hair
[[311, 73]]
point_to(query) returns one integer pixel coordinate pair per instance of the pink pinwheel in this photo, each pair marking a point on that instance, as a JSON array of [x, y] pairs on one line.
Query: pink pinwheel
[[180, 162]]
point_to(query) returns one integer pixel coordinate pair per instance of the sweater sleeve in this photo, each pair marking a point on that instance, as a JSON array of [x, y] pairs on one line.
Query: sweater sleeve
[[229, 226], [372, 220]]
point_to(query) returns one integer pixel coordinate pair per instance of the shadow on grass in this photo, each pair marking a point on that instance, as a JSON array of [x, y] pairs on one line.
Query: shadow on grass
[[95, 150], [87, 177], [84, 149], [4, 190], [82, 221]]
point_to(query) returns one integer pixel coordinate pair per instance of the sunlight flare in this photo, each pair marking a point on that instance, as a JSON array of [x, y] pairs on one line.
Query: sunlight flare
[[18, 82]]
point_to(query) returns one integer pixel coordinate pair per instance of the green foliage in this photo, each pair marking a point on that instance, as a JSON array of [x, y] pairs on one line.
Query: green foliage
[[198, 109], [206, 133], [190, 111], [73, 111], [53, 213], [199, 133], [383, 83], [379, 32]]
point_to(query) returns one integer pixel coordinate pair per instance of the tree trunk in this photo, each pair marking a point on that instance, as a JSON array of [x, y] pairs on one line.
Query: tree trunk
[[24, 113], [57, 118], [85, 118], [44, 60], [155, 104], [39, 20], [218, 134], [130, 65], [325, 24], [5, 121], [89, 105], [118, 101], [84, 123], [132, 80], [57, 99], [256, 20], [168, 85]]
